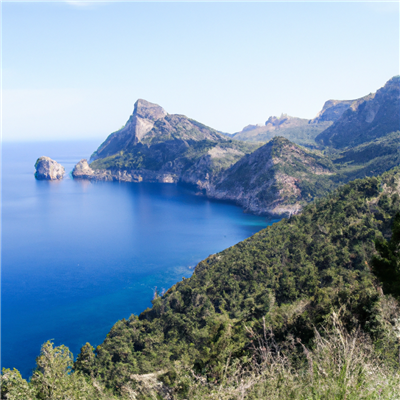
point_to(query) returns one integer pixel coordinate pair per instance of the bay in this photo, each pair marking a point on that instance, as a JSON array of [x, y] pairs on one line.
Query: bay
[[77, 256]]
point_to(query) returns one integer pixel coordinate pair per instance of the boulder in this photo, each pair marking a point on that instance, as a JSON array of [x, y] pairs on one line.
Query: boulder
[[48, 169]]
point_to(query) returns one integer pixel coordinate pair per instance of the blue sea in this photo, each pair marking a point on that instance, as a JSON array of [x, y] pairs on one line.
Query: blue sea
[[77, 256]]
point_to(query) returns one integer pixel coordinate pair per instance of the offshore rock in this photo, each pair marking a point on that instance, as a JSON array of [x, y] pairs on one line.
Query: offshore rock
[[48, 169], [82, 170]]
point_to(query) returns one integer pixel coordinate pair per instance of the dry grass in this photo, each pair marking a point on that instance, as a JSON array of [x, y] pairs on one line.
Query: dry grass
[[341, 365]]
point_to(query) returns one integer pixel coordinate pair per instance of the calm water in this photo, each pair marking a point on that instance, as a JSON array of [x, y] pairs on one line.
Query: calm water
[[77, 256]]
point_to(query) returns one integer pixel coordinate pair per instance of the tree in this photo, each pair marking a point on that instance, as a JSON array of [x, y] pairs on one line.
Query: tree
[[53, 379], [85, 360], [386, 265]]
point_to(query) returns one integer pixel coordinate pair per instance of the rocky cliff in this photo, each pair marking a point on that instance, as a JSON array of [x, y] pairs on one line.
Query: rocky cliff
[[367, 118], [48, 169], [150, 124], [331, 111]]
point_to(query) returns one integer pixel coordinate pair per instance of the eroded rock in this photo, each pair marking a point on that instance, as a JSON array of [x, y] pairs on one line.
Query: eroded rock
[[82, 170], [48, 169]]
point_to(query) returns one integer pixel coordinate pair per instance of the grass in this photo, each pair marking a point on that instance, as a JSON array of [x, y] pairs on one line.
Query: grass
[[341, 365]]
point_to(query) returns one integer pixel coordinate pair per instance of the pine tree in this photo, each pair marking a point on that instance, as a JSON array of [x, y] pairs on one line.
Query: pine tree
[[386, 265]]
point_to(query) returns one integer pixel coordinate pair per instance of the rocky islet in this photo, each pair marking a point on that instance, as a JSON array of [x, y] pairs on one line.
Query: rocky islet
[[48, 169]]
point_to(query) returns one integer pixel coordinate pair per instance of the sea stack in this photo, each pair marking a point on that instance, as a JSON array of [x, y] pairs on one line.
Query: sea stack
[[82, 170], [48, 169]]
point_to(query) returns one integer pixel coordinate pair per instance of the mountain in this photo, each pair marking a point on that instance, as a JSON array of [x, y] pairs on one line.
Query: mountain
[[289, 277], [331, 111], [278, 178], [157, 146], [297, 130], [367, 118], [150, 124]]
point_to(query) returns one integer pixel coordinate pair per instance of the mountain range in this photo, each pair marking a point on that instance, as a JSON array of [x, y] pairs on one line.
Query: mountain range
[[348, 139]]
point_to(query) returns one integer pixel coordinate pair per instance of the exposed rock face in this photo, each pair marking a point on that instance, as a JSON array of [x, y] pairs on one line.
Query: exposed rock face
[[274, 179], [142, 120], [48, 169], [332, 111], [82, 170], [150, 124], [367, 118]]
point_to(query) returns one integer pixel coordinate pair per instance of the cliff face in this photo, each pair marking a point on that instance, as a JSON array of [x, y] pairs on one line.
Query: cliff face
[[331, 111], [150, 124], [276, 179], [48, 169], [368, 118]]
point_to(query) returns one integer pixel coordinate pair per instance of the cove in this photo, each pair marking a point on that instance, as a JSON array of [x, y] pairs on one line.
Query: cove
[[77, 256]]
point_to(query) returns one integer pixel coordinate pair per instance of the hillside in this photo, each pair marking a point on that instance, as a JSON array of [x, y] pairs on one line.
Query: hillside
[[367, 159], [297, 130], [295, 274], [278, 178], [367, 119], [157, 146]]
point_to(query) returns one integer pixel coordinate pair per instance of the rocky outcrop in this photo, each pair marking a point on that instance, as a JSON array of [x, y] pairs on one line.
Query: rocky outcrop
[[331, 111], [150, 124], [48, 169], [368, 118], [82, 170]]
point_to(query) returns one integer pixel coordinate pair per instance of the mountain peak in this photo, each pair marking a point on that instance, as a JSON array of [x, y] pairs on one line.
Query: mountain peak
[[147, 110]]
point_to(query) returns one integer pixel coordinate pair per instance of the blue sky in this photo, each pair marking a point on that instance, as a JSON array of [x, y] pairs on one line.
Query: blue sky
[[74, 70]]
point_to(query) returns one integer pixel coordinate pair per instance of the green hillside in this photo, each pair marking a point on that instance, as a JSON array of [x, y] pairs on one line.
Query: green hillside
[[294, 273]]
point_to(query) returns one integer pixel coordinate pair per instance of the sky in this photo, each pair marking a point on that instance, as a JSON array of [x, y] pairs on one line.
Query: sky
[[73, 70]]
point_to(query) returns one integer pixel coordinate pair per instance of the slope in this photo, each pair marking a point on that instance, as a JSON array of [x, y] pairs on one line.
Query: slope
[[294, 274], [278, 178], [368, 118]]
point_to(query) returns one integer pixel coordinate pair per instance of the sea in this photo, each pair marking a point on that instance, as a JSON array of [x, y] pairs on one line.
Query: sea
[[76, 256]]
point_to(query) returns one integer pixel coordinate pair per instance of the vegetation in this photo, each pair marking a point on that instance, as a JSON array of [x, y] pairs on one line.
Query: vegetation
[[368, 159], [302, 133], [386, 265], [294, 274], [368, 118], [292, 312], [53, 379]]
